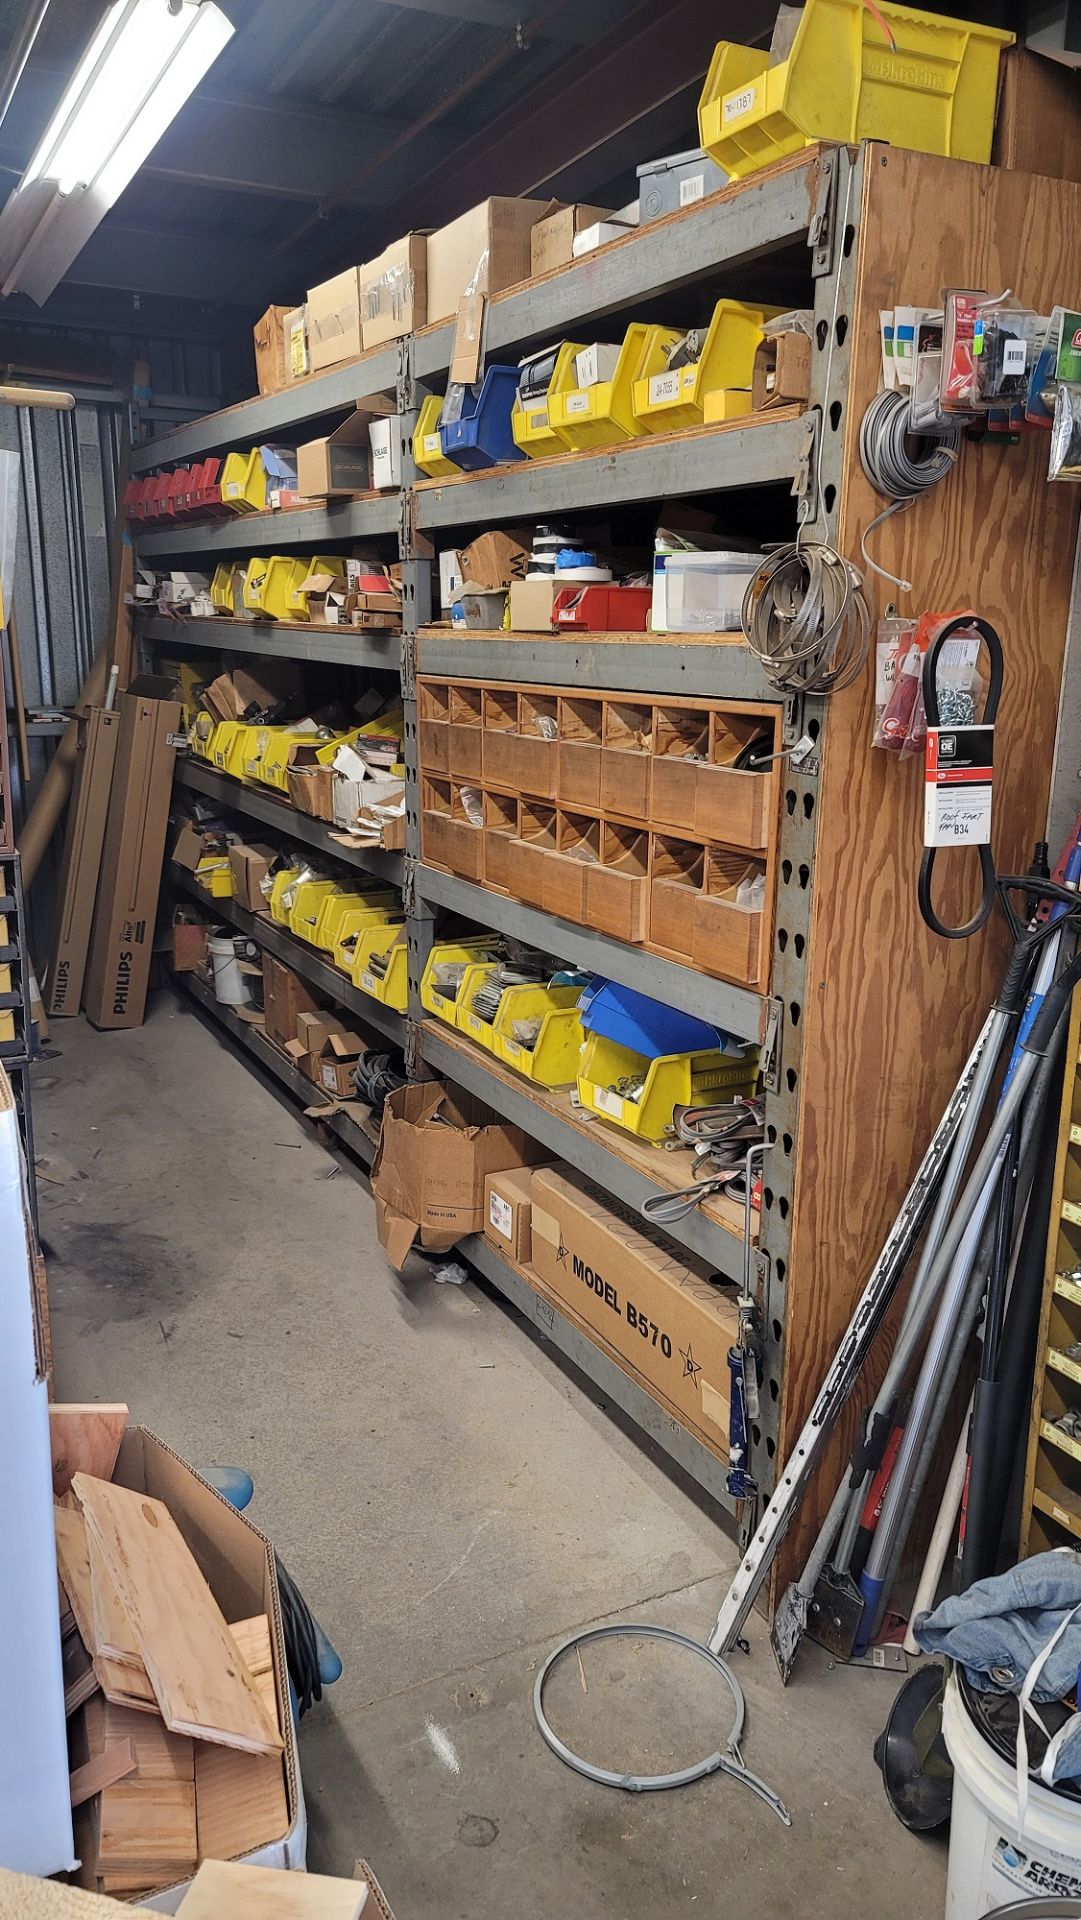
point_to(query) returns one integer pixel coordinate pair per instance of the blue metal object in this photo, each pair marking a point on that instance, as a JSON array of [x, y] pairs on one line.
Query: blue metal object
[[741, 1484], [482, 437]]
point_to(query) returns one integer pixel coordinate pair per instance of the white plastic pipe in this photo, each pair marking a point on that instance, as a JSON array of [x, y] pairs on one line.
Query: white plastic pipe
[[943, 1535]]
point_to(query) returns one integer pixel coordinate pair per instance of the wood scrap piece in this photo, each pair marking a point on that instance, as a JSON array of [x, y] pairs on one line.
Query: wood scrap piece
[[240, 1798], [104, 1770], [267, 1893], [202, 1685], [80, 1680], [126, 1685], [85, 1439], [113, 1631], [159, 1754], [147, 1832]]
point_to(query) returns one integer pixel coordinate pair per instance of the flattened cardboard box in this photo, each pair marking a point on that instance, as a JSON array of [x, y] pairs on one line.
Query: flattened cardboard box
[[436, 1147], [84, 843], [656, 1314], [121, 946]]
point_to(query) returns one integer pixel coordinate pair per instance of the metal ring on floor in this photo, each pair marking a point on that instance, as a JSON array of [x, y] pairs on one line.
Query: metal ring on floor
[[730, 1760]]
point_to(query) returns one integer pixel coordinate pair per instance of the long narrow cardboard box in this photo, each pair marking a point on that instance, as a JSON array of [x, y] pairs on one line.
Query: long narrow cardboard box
[[121, 946], [99, 732]]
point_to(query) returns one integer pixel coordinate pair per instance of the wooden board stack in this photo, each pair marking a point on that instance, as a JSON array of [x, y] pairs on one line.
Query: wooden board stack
[[174, 1729]]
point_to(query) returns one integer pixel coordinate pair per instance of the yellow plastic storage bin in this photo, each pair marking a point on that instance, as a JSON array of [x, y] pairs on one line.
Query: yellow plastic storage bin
[[671, 1080], [308, 896], [392, 986], [353, 923], [350, 906], [201, 736], [843, 81], [465, 1019], [232, 756], [221, 587], [433, 998], [531, 422], [596, 416], [319, 563], [554, 1058], [221, 744], [270, 582], [215, 876], [279, 887], [243, 482], [428, 452], [270, 762], [663, 401]]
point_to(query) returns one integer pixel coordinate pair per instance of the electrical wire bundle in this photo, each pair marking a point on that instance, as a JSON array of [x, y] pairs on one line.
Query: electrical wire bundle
[[376, 1075], [807, 618], [301, 1645], [899, 463]]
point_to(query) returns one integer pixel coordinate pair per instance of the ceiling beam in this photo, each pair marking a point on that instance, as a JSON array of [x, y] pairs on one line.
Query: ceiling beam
[[283, 148], [185, 266]]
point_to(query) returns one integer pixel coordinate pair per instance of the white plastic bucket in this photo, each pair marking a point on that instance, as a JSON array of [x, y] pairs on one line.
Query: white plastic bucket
[[990, 1862], [229, 984]]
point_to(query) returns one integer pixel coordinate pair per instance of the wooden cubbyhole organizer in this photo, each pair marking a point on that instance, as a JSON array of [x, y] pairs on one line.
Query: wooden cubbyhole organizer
[[613, 811]]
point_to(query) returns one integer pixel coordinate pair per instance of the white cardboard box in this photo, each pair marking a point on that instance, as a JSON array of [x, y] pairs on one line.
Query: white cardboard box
[[594, 364], [35, 1805], [386, 439]]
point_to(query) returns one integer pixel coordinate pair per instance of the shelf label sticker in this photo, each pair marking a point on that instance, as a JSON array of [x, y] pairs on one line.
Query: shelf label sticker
[[1059, 1439], [737, 104], [663, 386], [538, 421], [1063, 1364], [692, 189], [369, 982], [577, 403], [957, 786], [432, 443], [500, 1215], [607, 1102]]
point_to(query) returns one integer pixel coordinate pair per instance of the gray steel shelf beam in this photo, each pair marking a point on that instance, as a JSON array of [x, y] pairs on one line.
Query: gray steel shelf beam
[[713, 460], [553, 1326], [310, 527], [585, 1148], [272, 414], [253, 1041], [737, 1009], [303, 959], [727, 230], [282, 818], [705, 670], [340, 646]]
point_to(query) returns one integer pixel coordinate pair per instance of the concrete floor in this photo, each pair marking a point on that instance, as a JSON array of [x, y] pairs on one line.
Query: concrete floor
[[452, 1504]]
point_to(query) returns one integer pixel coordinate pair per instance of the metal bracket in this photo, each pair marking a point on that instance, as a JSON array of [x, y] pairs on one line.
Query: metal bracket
[[805, 482], [409, 885], [769, 1054], [409, 665], [821, 235]]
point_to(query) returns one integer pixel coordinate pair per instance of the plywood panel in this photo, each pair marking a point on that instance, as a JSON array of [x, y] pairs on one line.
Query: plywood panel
[[892, 1010], [202, 1685], [240, 1800], [85, 1439], [265, 1893]]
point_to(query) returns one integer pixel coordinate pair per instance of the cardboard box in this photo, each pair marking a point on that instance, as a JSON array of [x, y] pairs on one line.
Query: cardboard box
[[551, 242], [268, 335], [118, 970], [595, 363], [394, 291], [492, 561], [499, 228], [340, 463], [237, 1562], [450, 577], [436, 1148], [508, 1201], [249, 865], [531, 604], [285, 997], [336, 1061], [781, 374], [311, 791], [600, 233], [386, 439], [298, 363], [334, 329], [84, 841], [189, 940], [655, 1313]]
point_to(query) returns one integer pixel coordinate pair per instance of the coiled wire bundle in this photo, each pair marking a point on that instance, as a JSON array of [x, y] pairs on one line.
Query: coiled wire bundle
[[807, 618], [899, 463]]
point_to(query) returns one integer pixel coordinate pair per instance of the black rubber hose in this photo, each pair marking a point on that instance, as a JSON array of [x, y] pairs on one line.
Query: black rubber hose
[[981, 1532]]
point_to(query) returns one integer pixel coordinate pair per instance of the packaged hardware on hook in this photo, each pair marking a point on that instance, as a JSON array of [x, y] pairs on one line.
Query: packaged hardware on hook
[[1065, 462]]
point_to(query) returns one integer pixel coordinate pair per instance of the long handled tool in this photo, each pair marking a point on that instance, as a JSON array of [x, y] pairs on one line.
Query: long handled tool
[[878, 1292]]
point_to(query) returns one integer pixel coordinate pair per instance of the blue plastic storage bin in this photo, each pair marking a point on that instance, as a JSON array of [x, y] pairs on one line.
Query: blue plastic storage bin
[[482, 437], [645, 1026]]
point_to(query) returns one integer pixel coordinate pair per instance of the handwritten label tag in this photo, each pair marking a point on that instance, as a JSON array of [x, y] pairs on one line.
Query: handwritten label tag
[[957, 786]]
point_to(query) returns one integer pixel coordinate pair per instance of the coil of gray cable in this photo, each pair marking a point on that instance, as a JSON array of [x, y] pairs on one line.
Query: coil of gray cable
[[807, 618], [899, 463]]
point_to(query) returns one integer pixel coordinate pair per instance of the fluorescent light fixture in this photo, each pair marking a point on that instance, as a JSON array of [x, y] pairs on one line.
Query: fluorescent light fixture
[[144, 61]]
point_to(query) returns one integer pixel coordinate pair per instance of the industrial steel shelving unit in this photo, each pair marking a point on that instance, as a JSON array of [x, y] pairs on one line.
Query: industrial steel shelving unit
[[853, 970]]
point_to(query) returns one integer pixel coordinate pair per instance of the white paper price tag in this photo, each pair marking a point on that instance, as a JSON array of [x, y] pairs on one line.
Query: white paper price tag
[[577, 403], [499, 1215], [609, 1103], [664, 386], [957, 786]]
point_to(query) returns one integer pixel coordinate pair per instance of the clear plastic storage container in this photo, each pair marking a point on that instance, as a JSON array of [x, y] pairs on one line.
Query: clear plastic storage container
[[704, 591]]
